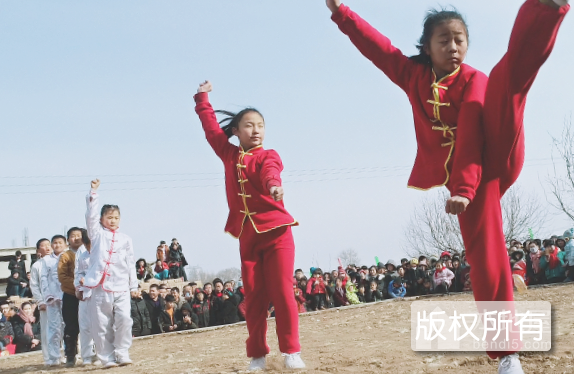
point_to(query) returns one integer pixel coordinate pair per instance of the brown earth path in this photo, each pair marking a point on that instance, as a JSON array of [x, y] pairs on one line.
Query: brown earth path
[[374, 338]]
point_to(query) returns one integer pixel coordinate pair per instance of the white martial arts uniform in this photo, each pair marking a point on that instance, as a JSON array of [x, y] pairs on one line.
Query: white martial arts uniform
[[52, 297], [35, 274], [86, 340], [111, 275]]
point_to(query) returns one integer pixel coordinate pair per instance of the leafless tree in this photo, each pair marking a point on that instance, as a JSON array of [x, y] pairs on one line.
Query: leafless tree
[[562, 182], [224, 275], [430, 230], [349, 256]]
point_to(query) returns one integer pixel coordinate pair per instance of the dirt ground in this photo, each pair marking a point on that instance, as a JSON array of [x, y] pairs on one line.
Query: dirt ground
[[370, 339]]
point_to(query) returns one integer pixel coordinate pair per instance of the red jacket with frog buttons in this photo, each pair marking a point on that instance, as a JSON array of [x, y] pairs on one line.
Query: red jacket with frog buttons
[[446, 111], [249, 175]]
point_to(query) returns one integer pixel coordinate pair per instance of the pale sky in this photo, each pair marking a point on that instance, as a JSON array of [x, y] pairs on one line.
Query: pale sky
[[105, 89]]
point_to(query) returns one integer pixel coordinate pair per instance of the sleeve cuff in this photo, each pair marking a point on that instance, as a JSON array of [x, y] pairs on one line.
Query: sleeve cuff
[[273, 183], [340, 14], [201, 97]]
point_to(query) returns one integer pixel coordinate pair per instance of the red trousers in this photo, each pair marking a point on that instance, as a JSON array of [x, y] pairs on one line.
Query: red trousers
[[267, 264], [531, 42]]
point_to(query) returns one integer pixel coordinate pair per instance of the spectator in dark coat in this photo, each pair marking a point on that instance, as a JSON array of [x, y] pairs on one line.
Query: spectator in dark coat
[[26, 330], [6, 332], [188, 319], [18, 264], [16, 285], [155, 305], [229, 308], [200, 308], [140, 315], [170, 318], [340, 296]]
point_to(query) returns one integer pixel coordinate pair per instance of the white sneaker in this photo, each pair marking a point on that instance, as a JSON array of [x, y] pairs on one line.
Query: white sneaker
[[125, 362], [510, 365], [293, 361], [111, 364], [257, 364], [521, 287]]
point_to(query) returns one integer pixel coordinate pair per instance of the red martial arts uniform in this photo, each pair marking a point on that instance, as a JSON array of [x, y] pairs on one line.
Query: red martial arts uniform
[[263, 227], [485, 120]]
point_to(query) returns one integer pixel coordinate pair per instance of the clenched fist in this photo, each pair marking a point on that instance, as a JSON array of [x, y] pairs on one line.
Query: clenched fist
[[457, 205], [333, 5], [276, 193], [205, 87]]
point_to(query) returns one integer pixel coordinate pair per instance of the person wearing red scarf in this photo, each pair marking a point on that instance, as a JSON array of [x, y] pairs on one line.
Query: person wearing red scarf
[[552, 261], [26, 330]]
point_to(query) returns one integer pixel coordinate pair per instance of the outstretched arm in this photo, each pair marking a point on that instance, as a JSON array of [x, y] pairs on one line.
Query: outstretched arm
[[271, 175], [92, 213], [214, 134], [373, 45]]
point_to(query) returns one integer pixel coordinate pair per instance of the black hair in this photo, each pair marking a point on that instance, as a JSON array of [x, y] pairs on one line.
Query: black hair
[[40, 242], [192, 284], [318, 271], [232, 120], [207, 284], [169, 299], [434, 18], [175, 289], [55, 237], [70, 231], [154, 286], [548, 243], [18, 253], [422, 258], [107, 207], [162, 242], [217, 280], [26, 303]]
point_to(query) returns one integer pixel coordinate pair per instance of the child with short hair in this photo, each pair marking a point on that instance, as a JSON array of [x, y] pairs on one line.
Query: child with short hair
[[317, 289], [397, 289], [169, 318], [200, 308], [111, 276], [52, 294], [442, 278], [259, 219]]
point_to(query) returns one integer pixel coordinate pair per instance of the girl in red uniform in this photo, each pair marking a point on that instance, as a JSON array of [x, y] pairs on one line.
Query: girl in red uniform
[[456, 104], [258, 218]]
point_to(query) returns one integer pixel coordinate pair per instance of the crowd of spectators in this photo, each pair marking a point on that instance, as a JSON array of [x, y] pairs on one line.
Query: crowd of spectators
[[165, 309]]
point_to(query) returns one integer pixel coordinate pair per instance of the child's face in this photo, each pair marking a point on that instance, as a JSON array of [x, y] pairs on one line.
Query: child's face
[[141, 264], [251, 130], [373, 286], [218, 287], [401, 272], [447, 47], [75, 239], [111, 219], [339, 282], [169, 305], [58, 245], [362, 289], [427, 284], [372, 272], [200, 296], [396, 284]]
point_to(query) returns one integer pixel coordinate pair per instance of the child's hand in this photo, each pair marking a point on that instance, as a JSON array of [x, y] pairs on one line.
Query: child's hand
[[276, 193], [333, 5], [134, 294], [95, 184], [205, 87], [457, 205]]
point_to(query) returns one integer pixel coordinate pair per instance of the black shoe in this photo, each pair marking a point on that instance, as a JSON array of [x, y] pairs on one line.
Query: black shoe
[[70, 362]]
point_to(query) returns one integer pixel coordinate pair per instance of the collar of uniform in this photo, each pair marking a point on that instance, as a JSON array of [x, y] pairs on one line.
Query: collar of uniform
[[250, 151], [447, 79], [108, 230]]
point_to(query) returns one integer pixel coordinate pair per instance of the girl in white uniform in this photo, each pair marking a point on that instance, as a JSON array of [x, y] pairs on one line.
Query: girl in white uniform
[[111, 276]]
